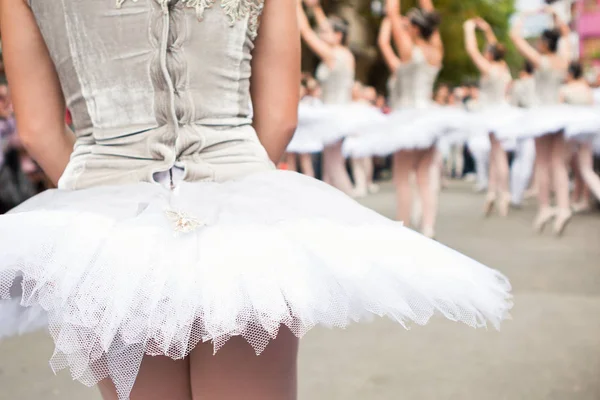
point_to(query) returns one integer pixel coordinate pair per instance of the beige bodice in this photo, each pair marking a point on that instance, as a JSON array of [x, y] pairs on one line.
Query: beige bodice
[[151, 84]]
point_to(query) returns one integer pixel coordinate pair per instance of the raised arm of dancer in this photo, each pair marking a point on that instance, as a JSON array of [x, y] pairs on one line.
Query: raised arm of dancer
[[384, 40], [485, 27], [436, 38], [315, 6], [565, 32], [473, 49], [426, 5], [35, 89], [318, 46], [401, 37], [523, 47], [275, 77]]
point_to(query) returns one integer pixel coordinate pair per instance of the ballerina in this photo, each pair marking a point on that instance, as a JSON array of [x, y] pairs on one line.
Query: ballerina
[[582, 131], [362, 167], [546, 123], [305, 143], [173, 251], [495, 78], [409, 133], [336, 74]]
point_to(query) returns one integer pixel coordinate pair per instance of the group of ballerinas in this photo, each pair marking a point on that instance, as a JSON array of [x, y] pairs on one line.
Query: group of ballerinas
[[537, 116], [547, 114], [307, 141]]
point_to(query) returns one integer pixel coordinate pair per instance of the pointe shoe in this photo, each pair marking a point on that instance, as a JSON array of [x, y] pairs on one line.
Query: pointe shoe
[[374, 188], [479, 188], [543, 217], [581, 207], [563, 216], [530, 193], [504, 204], [488, 206], [428, 232], [359, 193]]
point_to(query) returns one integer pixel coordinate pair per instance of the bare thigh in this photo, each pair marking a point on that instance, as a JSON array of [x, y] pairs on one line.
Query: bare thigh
[[159, 378], [236, 372]]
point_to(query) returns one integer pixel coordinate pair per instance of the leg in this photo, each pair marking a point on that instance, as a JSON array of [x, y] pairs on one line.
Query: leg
[[543, 152], [492, 192], [236, 372], [560, 177], [290, 159], [360, 177], [427, 193], [334, 166], [481, 160], [578, 189], [402, 167], [159, 378], [586, 166], [521, 170], [306, 165], [501, 164]]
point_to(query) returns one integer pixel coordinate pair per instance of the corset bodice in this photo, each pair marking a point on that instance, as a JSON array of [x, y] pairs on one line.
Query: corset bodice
[[150, 83]]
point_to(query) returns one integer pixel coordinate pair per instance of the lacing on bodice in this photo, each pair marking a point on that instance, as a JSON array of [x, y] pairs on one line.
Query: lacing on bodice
[[152, 84]]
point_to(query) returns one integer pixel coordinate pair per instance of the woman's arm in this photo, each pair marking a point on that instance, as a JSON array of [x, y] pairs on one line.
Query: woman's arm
[[35, 90], [318, 46], [276, 77], [322, 21], [473, 49], [385, 45], [436, 38], [426, 5], [565, 32], [401, 38], [523, 47], [490, 37]]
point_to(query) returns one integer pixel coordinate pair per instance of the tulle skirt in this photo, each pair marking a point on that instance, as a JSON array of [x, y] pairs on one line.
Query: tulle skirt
[[329, 123], [538, 121], [409, 129], [124, 271]]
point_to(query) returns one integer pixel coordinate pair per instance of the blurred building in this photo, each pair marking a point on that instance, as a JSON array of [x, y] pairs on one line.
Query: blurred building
[[588, 27]]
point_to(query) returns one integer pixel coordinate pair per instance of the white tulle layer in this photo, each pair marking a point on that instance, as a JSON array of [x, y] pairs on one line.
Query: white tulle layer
[[539, 121], [327, 124], [119, 281], [410, 128]]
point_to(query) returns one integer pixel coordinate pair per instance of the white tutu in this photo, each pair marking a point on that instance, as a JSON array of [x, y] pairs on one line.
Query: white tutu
[[504, 120], [330, 123], [410, 128], [306, 139], [584, 123], [537, 121], [138, 269]]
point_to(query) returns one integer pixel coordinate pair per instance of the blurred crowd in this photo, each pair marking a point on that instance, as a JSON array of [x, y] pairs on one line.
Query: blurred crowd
[[20, 176]]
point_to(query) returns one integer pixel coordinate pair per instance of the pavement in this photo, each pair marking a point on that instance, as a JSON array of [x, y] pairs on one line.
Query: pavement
[[550, 350]]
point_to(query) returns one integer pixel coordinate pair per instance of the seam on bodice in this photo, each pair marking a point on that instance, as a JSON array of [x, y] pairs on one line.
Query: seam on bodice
[[236, 10]]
